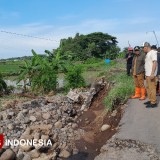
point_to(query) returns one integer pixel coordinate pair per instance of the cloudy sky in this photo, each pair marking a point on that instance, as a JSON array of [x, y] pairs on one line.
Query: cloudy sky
[[128, 20]]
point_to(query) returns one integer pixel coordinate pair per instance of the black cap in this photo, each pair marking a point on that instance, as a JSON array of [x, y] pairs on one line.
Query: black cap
[[153, 47], [136, 48]]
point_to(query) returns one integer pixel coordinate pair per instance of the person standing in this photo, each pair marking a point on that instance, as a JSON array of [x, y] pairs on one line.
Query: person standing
[[138, 74], [158, 72], [129, 58], [151, 73], [154, 47]]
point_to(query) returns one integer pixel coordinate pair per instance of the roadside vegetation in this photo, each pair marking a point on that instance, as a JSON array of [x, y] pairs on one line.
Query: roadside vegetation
[[78, 61], [122, 88]]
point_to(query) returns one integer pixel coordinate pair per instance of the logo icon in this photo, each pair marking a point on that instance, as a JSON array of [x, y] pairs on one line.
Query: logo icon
[[1, 140]]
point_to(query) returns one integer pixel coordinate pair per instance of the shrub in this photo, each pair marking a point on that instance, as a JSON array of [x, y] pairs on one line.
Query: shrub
[[73, 77], [121, 55]]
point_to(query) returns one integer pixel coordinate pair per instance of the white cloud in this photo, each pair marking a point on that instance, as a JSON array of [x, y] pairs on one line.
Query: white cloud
[[14, 45], [136, 38]]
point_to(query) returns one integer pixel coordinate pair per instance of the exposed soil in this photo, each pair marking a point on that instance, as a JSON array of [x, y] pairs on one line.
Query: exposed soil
[[91, 121]]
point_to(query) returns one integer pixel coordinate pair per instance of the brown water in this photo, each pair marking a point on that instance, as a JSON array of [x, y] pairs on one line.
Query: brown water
[[18, 87]]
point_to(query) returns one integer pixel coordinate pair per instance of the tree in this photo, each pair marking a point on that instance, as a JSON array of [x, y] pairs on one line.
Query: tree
[[82, 47], [41, 73], [103, 42], [113, 53], [125, 50]]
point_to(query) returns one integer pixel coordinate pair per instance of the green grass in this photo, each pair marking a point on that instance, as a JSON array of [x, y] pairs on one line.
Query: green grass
[[122, 90], [92, 66], [8, 68], [95, 70]]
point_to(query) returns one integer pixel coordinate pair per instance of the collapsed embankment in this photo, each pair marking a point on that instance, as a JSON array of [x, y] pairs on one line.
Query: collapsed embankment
[[74, 124]]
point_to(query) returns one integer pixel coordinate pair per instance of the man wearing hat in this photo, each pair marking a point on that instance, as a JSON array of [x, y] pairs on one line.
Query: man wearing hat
[[129, 58], [138, 73], [154, 47], [151, 73]]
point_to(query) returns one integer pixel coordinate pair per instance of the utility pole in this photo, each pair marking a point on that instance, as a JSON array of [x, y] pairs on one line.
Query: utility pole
[[155, 37], [129, 44]]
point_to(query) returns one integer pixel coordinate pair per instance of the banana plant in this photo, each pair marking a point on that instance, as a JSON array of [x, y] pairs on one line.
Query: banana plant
[[41, 72], [45, 75]]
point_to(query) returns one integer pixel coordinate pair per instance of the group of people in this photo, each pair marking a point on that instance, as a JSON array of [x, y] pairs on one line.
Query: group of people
[[144, 63]]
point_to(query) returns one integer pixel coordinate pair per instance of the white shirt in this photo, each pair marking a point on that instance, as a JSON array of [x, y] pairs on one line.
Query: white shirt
[[150, 57]]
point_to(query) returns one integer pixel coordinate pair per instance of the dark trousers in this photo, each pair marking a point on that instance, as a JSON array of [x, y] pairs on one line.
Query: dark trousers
[[129, 66]]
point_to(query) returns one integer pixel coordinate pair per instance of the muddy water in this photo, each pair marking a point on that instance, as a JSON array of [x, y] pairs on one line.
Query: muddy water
[[13, 83], [18, 87]]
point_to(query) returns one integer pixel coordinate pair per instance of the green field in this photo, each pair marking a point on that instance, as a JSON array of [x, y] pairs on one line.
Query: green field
[[10, 67]]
